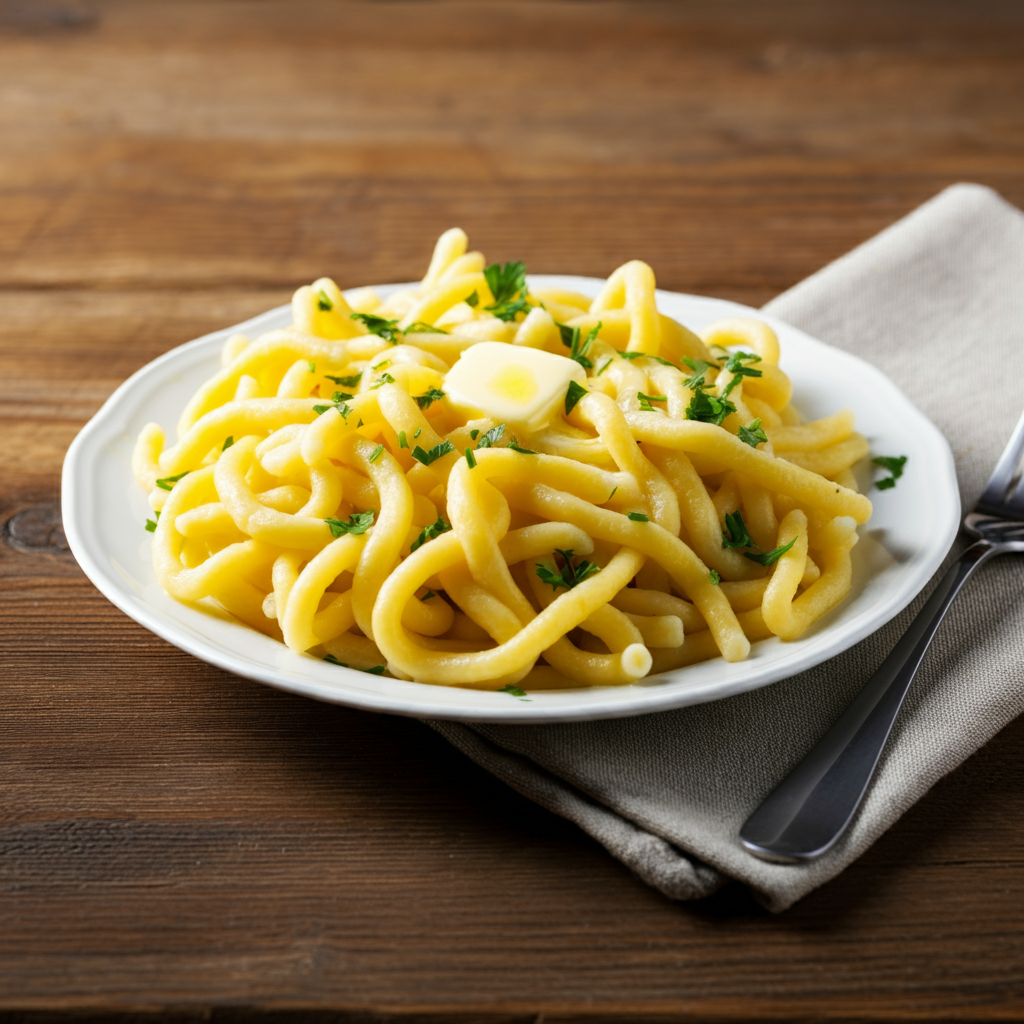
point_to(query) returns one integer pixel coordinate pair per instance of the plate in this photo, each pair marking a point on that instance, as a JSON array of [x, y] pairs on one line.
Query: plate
[[901, 547]]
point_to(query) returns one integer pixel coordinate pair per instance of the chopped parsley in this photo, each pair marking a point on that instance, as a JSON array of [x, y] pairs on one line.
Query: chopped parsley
[[342, 407], [167, 482], [382, 365], [573, 395], [470, 458], [707, 408], [645, 401], [753, 434], [769, 557], [228, 442], [377, 453], [612, 495], [698, 365], [714, 577], [474, 433], [357, 523], [648, 355], [312, 366], [515, 691], [428, 595], [419, 430], [578, 350], [432, 395], [423, 328], [429, 533], [605, 367], [517, 447], [323, 302], [893, 463], [383, 328], [491, 438], [346, 382], [435, 453], [638, 517], [151, 524], [384, 378], [472, 300], [402, 442], [377, 670], [340, 396], [570, 575], [507, 282], [736, 535]]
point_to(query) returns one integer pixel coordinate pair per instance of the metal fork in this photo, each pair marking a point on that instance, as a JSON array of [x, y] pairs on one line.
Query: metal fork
[[811, 808]]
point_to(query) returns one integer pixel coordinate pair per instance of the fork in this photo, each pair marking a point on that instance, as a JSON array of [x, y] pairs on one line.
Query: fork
[[812, 807]]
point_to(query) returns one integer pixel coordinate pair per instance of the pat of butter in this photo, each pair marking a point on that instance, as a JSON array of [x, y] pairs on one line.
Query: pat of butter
[[511, 383]]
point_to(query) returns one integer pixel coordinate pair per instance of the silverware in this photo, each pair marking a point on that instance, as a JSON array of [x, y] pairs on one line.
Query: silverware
[[811, 808]]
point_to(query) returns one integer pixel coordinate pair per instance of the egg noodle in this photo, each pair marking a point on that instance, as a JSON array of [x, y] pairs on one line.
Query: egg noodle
[[327, 491]]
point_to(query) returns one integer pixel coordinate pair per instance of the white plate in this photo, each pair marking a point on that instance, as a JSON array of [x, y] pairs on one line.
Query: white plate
[[906, 540]]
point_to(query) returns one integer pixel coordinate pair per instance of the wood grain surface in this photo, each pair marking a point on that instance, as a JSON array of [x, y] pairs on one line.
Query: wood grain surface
[[180, 844]]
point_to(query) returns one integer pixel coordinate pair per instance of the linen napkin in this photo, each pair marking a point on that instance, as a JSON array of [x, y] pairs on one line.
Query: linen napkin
[[937, 302]]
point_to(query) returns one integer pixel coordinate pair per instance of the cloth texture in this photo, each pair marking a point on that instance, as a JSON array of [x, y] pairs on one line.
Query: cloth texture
[[937, 302]]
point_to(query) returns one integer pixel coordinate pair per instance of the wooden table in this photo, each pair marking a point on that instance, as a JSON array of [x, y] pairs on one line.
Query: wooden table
[[176, 839]]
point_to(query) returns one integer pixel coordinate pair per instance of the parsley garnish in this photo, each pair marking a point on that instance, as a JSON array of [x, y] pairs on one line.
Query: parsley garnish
[[323, 302], [516, 447], [491, 438], [571, 340], [573, 395], [357, 523], [605, 367], [435, 453], [346, 382], [312, 366], [470, 458], [714, 577], [419, 430], [734, 366], [753, 434], [340, 396], [421, 328], [515, 691], [645, 401], [384, 378], [698, 365], [570, 575], [425, 401], [228, 442], [507, 282], [428, 595], [612, 495], [648, 355], [637, 517], [376, 453], [377, 670], [386, 329], [737, 535], [151, 524], [167, 482], [343, 408], [402, 442], [382, 365], [707, 408], [893, 463], [473, 299], [429, 533], [769, 556], [474, 433]]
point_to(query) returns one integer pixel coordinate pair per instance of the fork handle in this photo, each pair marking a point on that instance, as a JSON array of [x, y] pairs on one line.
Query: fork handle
[[811, 808]]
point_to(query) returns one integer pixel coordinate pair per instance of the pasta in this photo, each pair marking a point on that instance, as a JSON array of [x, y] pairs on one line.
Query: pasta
[[479, 483]]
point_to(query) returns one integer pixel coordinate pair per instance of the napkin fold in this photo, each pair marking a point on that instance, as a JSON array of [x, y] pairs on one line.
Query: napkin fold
[[937, 302]]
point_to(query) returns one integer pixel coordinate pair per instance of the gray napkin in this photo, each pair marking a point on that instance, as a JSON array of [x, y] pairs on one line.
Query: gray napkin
[[937, 302]]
